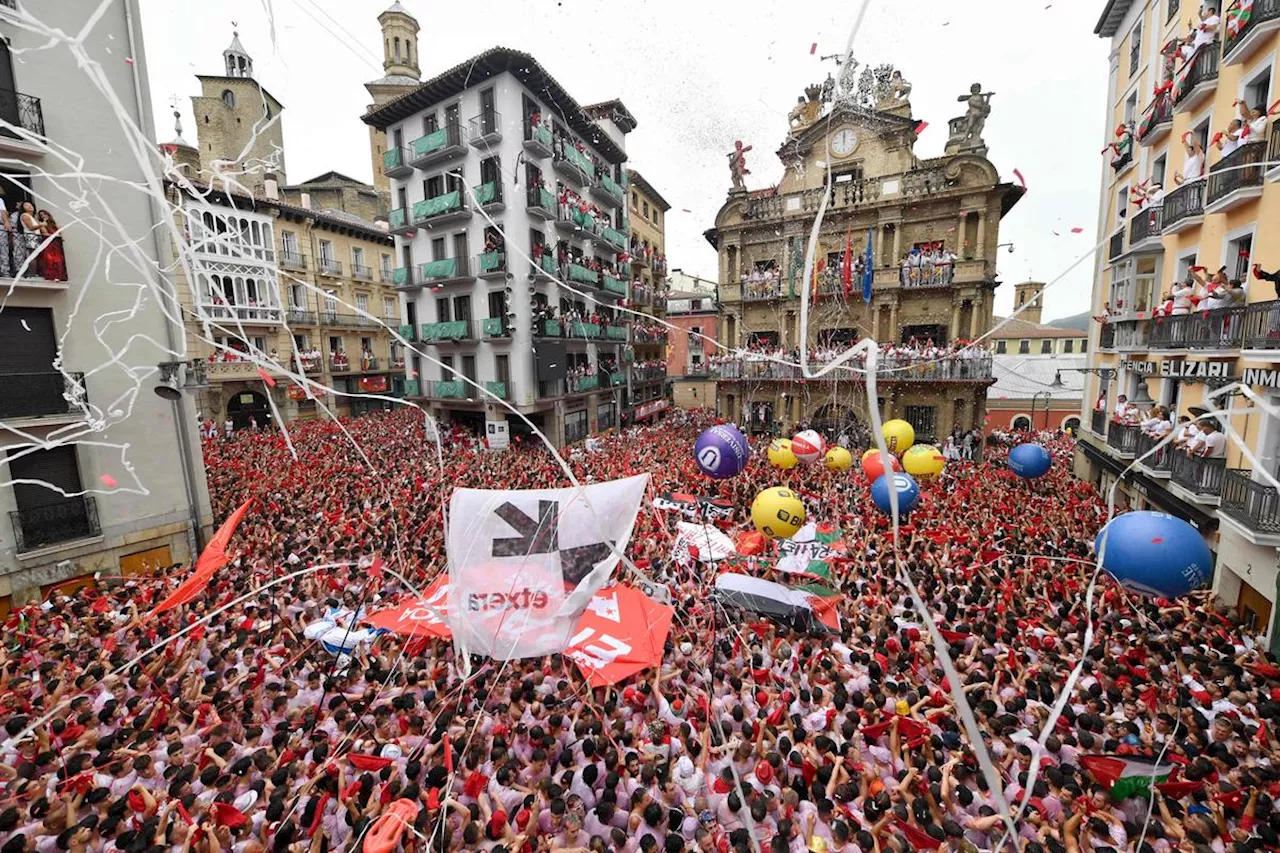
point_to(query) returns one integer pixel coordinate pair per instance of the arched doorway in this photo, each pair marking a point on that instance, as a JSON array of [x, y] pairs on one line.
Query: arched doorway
[[761, 418], [834, 419], [1072, 424], [246, 404], [1021, 423]]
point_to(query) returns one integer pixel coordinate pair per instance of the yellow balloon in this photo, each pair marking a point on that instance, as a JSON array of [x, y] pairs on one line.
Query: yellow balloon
[[839, 459], [780, 455], [899, 435], [923, 460], [777, 513], [1068, 431]]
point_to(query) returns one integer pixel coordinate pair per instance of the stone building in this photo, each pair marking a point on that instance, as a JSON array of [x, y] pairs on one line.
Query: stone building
[[693, 311], [401, 76], [649, 289], [934, 228]]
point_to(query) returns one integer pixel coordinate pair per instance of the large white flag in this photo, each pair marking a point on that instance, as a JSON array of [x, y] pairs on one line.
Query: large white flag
[[524, 564]]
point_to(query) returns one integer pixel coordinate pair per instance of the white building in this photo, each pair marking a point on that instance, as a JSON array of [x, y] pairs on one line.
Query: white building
[[497, 147], [105, 475]]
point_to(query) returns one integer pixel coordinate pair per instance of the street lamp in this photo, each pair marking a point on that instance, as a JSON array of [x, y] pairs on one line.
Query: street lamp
[[1048, 395]]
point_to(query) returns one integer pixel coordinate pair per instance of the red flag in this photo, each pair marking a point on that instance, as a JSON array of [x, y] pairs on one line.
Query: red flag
[[920, 126], [225, 814], [371, 763], [621, 632], [211, 559], [1148, 697], [846, 268], [418, 617], [448, 755], [917, 837], [375, 570]]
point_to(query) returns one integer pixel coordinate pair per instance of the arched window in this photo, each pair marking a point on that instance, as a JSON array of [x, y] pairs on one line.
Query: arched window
[[254, 234], [397, 43], [1021, 423], [229, 98], [408, 51]]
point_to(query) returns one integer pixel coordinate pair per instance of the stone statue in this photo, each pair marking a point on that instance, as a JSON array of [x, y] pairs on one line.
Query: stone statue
[[893, 92], [966, 130], [828, 89], [738, 164], [795, 118]]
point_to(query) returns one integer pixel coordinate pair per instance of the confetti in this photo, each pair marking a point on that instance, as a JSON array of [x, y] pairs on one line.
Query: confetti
[[1077, 230], [25, 326], [1021, 179], [686, 210], [108, 481], [129, 59], [813, 48], [267, 377], [920, 127]]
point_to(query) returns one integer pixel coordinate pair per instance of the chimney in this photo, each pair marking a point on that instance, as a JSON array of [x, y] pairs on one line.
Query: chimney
[[306, 200], [271, 186]]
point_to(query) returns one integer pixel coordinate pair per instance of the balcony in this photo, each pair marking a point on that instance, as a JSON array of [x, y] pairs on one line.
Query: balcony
[[369, 363], [301, 363], [1198, 79], [492, 264], [362, 272], [1200, 478], [613, 285], [339, 363], [573, 164], [1219, 329], [583, 384], [1157, 121], [1116, 245], [1098, 423], [761, 291], [607, 190], [348, 321], [489, 196], [395, 163], [583, 275], [411, 388], [546, 269], [888, 369], [329, 267], [538, 140], [446, 271], [588, 331], [298, 317], [1264, 19], [1123, 439], [648, 374], [67, 520], [1131, 335], [257, 315], [398, 222], [615, 333], [449, 332], [40, 395], [1159, 463], [573, 221], [1236, 178], [617, 379], [1144, 230], [497, 389], [496, 328], [438, 146], [540, 202], [1184, 207], [486, 129], [1252, 504], [1262, 328], [293, 260], [450, 207], [409, 332], [449, 389], [406, 278], [650, 336], [614, 238], [547, 329]]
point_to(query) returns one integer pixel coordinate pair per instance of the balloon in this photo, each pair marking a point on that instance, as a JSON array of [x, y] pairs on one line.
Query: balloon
[[808, 446], [749, 543], [1068, 431], [899, 435], [1030, 461], [777, 513], [923, 460], [908, 493], [781, 455], [839, 459], [874, 468], [721, 451], [1154, 554]]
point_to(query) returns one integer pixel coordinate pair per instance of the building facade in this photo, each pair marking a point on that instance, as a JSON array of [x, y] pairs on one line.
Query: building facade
[[934, 228], [693, 310], [400, 76], [647, 386], [99, 473], [501, 187], [1174, 205]]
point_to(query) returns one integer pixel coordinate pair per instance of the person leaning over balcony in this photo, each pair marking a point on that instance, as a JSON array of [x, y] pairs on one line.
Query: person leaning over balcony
[[1273, 277], [1182, 293], [1123, 410], [1227, 141], [1212, 443], [1193, 167], [1207, 32]]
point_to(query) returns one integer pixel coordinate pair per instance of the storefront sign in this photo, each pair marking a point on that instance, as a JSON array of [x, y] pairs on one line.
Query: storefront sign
[[373, 384], [1262, 376], [1180, 369], [1142, 368]]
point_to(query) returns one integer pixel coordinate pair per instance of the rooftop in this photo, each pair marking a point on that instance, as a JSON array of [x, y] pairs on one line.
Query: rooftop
[[1112, 17], [1018, 377], [1016, 327], [637, 180], [485, 66], [613, 109]]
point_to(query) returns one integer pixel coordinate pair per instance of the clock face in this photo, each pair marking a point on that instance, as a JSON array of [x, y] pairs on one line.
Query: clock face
[[843, 142]]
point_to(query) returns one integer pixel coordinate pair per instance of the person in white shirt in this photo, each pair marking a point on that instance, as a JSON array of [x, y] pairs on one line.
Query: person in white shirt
[[1212, 444], [1193, 167], [1229, 140], [1207, 32], [1181, 293], [1123, 409]]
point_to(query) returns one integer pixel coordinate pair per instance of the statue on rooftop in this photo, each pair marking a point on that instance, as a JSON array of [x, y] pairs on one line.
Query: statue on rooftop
[[738, 164], [966, 130]]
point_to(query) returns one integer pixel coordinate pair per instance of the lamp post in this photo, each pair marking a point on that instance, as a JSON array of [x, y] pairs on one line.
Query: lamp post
[[1048, 395]]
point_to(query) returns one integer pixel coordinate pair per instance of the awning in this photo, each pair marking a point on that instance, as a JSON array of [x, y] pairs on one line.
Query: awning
[[1155, 491]]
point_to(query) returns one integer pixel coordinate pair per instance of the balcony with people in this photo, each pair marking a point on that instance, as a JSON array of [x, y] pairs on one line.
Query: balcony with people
[[1249, 25], [240, 298], [492, 262], [541, 202], [1157, 118], [762, 284], [31, 248], [538, 139], [545, 267], [579, 217], [914, 361], [607, 190], [582, 378], [649, 370], [644, 332], [570, 158], [926, 265], [648, 296], [1238, 176], [338, 362], [1197, 56], [1148, 221]]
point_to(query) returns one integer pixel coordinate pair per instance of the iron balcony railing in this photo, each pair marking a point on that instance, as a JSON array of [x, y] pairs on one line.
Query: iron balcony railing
[[64, 521], [339, 362], [1221, 328], [888, 369], [1161, 460], [1241, 169], [349, 321], [34, 395], [21, 110], [293, 260], [328, 266], [299, 317], [1198, 474], [488, 194], [486, 128], [1116, 245], [1254, 504], [1183, 203], [1259, 13], [1098, 423], [455, 330], [395, 162], [362, 271], [1158, 114], [538, 139], [496, 327], [1262, 326], [1123, 438], [760, 291], [1204, 69], [1273, 145], [1145, 223], [27, 256], [492, 263]]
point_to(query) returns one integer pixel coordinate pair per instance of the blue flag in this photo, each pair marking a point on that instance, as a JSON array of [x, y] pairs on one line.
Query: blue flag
[[868, 270]]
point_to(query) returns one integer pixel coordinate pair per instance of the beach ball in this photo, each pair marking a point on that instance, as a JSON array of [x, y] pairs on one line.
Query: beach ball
[[839, 459], [874, 468], [781, 455], [1030, 461], [721, 451], [808, 446], [923, 460], [777, 513], [899, 435], [1154, 554], [903, 484]]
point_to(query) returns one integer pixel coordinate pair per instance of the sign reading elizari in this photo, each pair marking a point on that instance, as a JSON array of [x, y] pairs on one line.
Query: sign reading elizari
[[1180, 369]]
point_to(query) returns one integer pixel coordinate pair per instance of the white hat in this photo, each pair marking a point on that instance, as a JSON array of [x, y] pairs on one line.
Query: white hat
[[246, 801], [684, 767], [392, 751]]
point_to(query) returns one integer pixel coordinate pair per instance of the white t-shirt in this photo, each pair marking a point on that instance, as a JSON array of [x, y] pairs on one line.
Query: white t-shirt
[[1216, 443], [1207, 32], [1229, 144], [1193, 168]]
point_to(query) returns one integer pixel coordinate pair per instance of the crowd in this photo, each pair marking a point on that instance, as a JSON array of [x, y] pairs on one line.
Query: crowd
[[926, 265], [762, 283], [242, 736], [916, 358], [1203, 438]]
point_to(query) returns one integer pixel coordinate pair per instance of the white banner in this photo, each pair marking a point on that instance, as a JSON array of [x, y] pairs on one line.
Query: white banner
[[524, 564], [497, 435], [709, 543]]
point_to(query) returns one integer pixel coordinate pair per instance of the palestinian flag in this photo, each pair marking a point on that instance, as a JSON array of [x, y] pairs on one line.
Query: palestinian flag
[[806, 608], [1237, 18], [1125, 776]]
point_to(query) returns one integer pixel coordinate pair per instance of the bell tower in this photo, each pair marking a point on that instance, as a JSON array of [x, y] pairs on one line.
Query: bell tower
[[401, 75], [1028, 292]]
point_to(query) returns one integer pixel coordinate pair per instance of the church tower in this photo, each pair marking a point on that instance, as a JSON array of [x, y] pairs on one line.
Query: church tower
[[1028, 291], [400, 75], [238, 125]]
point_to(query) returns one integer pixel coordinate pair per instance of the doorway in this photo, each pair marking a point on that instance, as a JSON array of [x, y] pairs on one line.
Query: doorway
[[248, 404], [1254, 609]]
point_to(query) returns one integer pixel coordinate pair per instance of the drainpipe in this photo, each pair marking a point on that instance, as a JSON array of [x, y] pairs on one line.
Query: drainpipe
[[195, 537]]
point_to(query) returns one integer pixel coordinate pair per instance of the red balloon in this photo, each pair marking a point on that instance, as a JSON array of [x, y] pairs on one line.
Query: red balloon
[[874, 468]]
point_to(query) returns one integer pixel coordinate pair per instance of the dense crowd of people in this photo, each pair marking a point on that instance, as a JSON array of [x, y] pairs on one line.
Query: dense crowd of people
[[243, 736]]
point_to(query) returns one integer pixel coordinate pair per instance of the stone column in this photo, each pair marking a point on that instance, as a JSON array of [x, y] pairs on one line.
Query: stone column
[[955, 321], [974, 324], [893, 322], [897, 244], [981, 251]]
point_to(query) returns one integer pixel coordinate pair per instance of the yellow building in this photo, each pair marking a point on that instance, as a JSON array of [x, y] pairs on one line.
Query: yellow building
[[649, 290], [1219, 213], [934, 229]]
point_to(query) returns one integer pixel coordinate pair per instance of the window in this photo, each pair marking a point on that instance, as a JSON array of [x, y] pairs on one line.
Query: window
[[389, 306], [646, 210], [1024, 347], [1122, 206], [289, 243], [1135, 49], [1068, 346], [635, 202], [1046, 346], [362, 303], [437, 249], [446, 367], [326, 251], [229, 98], [1084, 345], [366, 345], [442, 309], [462, 308], [300, 343], [384, 265], [430, 124], [1201, 132], [1158, 168], [331, 301], [1237, 259], [298, 297], [1130, 108], [1257, 90], [1001, 347], [335, 344], [575, 426], [432, 187], [923, 420], [357, 256], [469, 367]]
